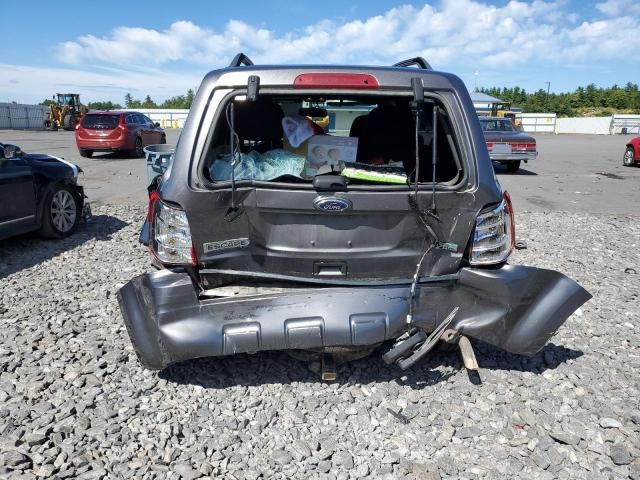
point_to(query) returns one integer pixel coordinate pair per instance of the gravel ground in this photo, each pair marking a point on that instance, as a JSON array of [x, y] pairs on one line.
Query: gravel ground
[[75, 403]]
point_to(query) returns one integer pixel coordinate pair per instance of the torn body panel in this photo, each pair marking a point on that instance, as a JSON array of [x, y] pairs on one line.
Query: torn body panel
[[513, 307]]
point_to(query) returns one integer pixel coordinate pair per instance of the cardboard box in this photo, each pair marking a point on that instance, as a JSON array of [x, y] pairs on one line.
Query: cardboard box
[[325, 152]]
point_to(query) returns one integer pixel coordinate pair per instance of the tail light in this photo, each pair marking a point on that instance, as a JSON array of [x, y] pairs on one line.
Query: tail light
[[494, 235], [153, 198], [170, 233], [527, 147]]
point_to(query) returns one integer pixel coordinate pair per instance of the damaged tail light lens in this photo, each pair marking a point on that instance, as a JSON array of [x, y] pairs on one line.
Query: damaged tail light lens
[[153, 199], [171, 235], [494, 234]]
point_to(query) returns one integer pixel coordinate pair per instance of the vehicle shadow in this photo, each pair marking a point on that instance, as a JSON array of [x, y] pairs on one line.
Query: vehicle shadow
[[113, 156], [502, 170], [25, 251], [280, 368], [549, 358]]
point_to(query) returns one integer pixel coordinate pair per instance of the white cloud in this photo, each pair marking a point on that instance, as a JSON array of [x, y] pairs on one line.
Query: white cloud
[[452, 32], [33, 84], [615, 8], [456, 35]]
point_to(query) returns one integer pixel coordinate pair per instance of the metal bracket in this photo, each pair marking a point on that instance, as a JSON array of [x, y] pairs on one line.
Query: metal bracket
[[328, 370], [417, 61], [451, 336], [418, 91], [404, 343], [407, 343], [253, 86], [468, 356], [429, 343], [239, 60]]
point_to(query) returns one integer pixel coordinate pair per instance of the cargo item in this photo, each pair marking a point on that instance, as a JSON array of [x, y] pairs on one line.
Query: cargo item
[[259, 166], [371, 173], [327, 154], [297, 129]]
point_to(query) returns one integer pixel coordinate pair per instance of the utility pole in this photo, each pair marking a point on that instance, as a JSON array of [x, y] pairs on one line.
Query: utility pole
[[548, 86]]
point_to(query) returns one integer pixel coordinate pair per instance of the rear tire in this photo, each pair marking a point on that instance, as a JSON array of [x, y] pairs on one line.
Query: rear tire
[[86, 153], [62, 212], [513, 167], [68, 122], [629, 157], [138, 148], [49, 125]]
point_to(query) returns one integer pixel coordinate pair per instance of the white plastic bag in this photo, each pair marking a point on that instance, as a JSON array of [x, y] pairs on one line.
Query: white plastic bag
[[258, 166], [297, 129]]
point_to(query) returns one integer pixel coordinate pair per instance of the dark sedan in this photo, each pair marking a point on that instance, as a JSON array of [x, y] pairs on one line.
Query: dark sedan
[[506, 143], [38, 192]]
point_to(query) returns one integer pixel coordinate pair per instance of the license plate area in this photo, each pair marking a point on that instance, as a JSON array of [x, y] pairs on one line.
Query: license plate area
[[501, 148]]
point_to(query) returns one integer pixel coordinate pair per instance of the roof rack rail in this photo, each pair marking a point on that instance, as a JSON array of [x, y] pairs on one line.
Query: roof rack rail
[[239, 60], [418, 61]]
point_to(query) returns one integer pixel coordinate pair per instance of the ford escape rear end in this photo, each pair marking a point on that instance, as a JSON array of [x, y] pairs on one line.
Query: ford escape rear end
[[385, 223]]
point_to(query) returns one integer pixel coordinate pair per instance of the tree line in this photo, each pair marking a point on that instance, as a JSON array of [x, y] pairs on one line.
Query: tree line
[[583, 101], [179, 101]]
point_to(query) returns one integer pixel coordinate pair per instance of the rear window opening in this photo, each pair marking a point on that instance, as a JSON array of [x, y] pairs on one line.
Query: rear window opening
[[369, 139], [100, 121], [498, 125]]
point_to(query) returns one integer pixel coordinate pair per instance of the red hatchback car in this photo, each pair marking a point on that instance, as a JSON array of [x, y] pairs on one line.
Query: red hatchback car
[[632, 153], [113, 131]]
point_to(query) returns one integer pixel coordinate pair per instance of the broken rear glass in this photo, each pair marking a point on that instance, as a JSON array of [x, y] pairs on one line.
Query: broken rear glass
[[368, 140]]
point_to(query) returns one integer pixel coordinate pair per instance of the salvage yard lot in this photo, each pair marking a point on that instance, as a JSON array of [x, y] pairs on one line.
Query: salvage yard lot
[[573, 172], [75, 402]]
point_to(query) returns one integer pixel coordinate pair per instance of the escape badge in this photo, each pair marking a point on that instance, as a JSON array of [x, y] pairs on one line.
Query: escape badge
[[225, 245]]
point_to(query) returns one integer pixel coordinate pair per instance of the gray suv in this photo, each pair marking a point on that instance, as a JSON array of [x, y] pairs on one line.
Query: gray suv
[[331, 210]]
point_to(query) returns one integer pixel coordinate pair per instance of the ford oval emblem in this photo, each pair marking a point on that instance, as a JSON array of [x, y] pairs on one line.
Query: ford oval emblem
[[332, 204]]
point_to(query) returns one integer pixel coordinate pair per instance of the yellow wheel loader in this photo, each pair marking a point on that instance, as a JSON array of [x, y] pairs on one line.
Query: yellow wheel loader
[[503, 110], [65, 112]]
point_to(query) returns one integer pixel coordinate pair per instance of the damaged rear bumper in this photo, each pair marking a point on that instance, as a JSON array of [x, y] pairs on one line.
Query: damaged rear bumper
[[516, 308]]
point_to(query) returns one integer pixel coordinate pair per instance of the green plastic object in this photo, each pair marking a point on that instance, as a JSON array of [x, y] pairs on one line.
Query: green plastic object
[[372, 174]]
